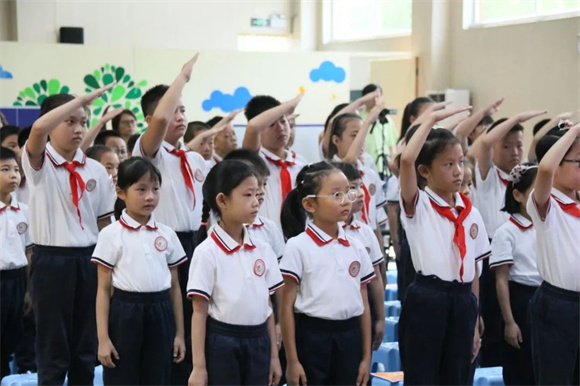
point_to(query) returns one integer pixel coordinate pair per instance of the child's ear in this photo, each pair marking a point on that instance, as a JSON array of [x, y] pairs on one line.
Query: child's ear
[[335, 140], [220, 199], [519, 196], [120, 193], [308, 205], [423, 171]]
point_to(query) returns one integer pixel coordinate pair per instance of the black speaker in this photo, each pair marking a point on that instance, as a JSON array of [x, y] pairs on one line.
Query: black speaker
[[74, 35]]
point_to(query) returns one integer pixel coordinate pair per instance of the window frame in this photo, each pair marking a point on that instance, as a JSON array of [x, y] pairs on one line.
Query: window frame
[[327, 28], [470, 17]]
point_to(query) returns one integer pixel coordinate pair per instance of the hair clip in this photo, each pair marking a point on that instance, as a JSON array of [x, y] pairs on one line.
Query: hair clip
[[518, 171]]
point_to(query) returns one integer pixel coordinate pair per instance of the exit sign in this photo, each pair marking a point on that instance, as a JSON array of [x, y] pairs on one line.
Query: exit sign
[[257, 22]]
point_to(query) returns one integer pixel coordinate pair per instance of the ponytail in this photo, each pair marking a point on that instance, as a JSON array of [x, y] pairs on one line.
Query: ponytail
[[293, 216], [202, 232]]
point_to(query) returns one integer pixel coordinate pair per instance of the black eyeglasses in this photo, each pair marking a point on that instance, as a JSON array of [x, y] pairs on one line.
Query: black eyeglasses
[[576, 161]]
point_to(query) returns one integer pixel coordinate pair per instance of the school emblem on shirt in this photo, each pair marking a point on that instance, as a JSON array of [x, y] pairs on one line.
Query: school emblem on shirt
[[372, 189], [91, 185], [22, 227], [160, 243], [473, 231], [354, 268], [259, 267], [199, 175]]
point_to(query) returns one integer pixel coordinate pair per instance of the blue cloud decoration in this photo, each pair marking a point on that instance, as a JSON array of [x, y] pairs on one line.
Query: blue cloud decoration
[[4, 74], [227, 102], [328, 72]]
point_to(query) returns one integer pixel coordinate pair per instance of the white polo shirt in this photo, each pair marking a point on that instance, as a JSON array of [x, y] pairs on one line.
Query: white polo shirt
[[363, 233], [53, 216], [140, 256], [514, 244], [13, 235], [329, 273], [272, 205], [491, 198], [430, 238], [266, 230], [22, 192], [177, 208], [393, 190], [237, 280], [557, 241]]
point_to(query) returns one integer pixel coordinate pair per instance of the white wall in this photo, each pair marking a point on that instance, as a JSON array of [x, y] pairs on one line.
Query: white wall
[[187, 24]]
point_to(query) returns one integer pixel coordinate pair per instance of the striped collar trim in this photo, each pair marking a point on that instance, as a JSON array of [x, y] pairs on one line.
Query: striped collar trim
[[227, 243]]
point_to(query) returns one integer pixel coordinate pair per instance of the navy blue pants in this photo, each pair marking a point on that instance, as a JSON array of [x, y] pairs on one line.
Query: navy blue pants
[[330, 351], [64, 289], [25, 353], [142, 329], [518, 362], [180, 372], [492, 339], [555, 318], [406, 270], [237, 355], [436, 330], [13, 289]]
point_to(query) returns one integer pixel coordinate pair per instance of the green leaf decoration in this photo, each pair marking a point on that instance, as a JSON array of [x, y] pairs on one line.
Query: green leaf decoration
[[17, 104], [31, 103], [65, 90], [126, 78], [119, 72], [97, 111], [99, 102], [91, 81], [117, 92], [44, 85], [108, 79], [105, 97], [36, 87], [143, 83], [53, 86], [41, 99], [29, 92], [134, 94]]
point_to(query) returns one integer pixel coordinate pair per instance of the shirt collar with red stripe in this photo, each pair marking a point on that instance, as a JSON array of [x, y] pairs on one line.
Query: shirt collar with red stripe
[[503, 176], [321, 238], [289, 156], [521, 222], [561, 197], [353, 225], [129, 223], [258, 223], [434, 197], [59, 160], [13, 205], [227, 243]]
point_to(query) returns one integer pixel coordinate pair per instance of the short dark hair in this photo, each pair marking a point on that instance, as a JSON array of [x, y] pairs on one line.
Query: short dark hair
[[53, 101], [6, 154], [412, 110], [350, 170], [8, 130], [103, 136], [486, 120], [369, 88], [538, 126], [252, 158], [130, 172], [193, 128], [23, 136], [151, 98], [338, 127], [212, 122], [117, 120], [547, 141], [258, 104], [517, 126], [132, 141], [511, 206], [437, 141], [96, 152]]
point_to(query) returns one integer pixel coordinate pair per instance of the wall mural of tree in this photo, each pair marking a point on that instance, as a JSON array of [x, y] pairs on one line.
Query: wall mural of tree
[[39, 91]]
